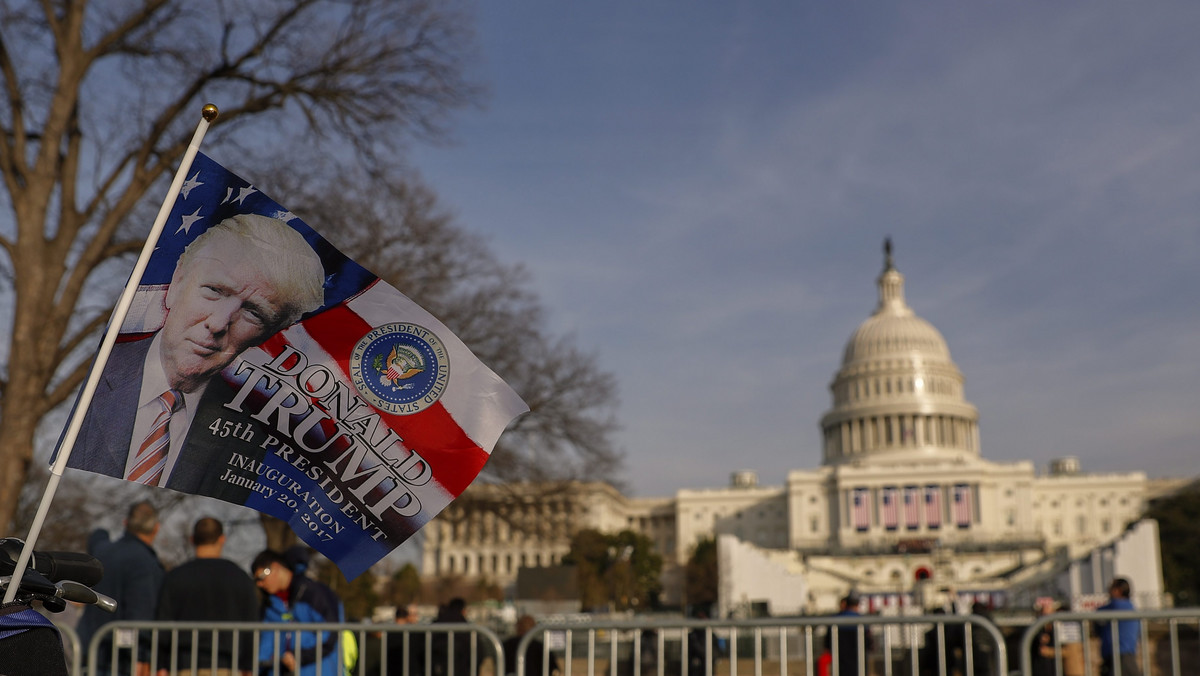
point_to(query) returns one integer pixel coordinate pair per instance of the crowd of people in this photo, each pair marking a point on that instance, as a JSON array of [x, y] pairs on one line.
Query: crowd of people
[[209, 588], [946, 647], [277, 589]]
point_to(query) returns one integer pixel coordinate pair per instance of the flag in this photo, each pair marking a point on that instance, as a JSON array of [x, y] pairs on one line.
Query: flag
[[912, 507], [891, 511], [962, 505], [933, 506], [862, 509], [299, 383]]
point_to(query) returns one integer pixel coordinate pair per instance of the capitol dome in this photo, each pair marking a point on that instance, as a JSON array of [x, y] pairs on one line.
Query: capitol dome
[[898, 395]]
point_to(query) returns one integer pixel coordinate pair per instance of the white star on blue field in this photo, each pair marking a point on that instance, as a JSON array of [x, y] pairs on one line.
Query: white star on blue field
[[701, 191]]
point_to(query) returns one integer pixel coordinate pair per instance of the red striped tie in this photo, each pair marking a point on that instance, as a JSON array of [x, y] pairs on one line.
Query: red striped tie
[[152, 454]]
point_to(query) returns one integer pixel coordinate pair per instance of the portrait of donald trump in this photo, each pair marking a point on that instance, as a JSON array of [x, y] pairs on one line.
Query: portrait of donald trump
[[237, 284]]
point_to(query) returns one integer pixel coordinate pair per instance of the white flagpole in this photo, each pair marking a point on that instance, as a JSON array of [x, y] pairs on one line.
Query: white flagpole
[[208, 114]]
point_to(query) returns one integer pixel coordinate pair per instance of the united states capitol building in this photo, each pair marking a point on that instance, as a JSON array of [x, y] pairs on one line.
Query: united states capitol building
[[903, 506]]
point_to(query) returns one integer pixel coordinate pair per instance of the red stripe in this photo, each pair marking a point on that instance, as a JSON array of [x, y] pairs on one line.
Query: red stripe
[[134, 337], [454, 458], [890, 512], [933, 506], [962, 508]]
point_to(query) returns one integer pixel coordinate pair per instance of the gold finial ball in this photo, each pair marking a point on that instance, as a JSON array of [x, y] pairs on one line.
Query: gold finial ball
[[210, 112]]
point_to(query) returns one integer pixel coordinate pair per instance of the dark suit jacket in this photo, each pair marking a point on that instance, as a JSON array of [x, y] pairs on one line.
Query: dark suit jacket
[[132, 576], [103, 442], [104, 438]]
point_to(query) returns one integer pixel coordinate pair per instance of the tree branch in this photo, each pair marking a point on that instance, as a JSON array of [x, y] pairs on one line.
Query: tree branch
[[114, 40], [73, 66], [139, 156], [98, 248], [65, 388], [69, 171], [76, 339], [12, 156], [53, 20]]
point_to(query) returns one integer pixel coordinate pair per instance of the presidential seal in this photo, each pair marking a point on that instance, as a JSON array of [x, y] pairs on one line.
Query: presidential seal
[[400, 368]]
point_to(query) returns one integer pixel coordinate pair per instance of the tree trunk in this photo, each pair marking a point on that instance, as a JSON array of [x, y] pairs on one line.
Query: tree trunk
[[25, 394], [17, 429], [280, 536]]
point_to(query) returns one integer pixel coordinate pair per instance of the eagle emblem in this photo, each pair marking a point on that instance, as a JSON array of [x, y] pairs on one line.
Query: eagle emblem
[[400, 368], [401, 363]]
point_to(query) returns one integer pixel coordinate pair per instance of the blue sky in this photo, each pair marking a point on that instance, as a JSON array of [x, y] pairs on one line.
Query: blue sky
[[701, 191]]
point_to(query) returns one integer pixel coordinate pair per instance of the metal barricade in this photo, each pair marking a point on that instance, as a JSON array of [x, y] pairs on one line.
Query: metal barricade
[[942, 645], [902, 645], [1168, 642], [934, 645], [444, 649], [426, 650], [71, 648]]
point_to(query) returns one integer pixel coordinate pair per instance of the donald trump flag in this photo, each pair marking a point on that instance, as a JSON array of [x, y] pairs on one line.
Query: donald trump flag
[[261, 366]]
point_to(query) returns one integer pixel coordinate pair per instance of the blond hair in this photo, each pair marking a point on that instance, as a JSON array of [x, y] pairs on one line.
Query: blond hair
[[285, 258]]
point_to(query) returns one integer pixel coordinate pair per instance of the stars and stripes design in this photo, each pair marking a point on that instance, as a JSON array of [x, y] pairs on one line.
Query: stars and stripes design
[[889, 510], [912, 507], [962, 505], [933, 507], [861, 499]]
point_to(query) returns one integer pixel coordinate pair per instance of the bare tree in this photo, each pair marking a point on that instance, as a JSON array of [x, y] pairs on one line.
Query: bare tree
[[100, 101]]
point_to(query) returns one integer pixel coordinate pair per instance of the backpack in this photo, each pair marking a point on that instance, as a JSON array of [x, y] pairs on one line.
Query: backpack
[[30, 639]]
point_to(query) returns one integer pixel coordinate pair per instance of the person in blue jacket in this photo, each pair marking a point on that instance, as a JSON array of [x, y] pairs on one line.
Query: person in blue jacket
[[848, 644], [292, 597], [1127, 633]]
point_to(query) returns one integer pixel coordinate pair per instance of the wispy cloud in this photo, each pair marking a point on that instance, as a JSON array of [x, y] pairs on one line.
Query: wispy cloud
[[702, 198]]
